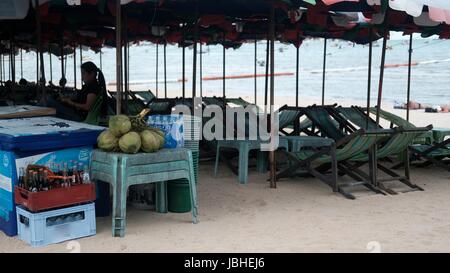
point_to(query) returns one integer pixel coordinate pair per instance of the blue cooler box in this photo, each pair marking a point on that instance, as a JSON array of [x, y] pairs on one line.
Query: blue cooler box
[[43, 141]]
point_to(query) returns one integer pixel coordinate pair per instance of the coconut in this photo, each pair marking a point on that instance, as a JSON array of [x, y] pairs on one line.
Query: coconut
[[130, 143], [151, 141], [119, 125], [107, 141]]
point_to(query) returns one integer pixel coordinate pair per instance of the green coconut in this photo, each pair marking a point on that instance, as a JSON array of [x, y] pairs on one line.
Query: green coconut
[[151, 141], [107, 141], [119, 125], [130, 143]]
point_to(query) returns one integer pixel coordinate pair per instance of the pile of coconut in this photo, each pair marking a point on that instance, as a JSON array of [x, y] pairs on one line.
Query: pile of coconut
[[130, 135]]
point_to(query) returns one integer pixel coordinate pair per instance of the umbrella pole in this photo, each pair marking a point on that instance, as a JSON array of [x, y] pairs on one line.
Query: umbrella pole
[[223, 71], [13, 62], [256, 71], [372, 151], [380, 83], [125, 61], [410, 51], [184, 71], [201, 70], [324, 69], [75, 67], [21, 63], [272, 98], [194, 60], [50, 61], [297, 80], [118, 57], [408, 98], [266, 87], [63, 73], [157, 69], [369, 78], [81, 62], [101, 60], [165, 70]]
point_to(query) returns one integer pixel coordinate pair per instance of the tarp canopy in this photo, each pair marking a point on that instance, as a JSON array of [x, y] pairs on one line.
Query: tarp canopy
[[230, 22]]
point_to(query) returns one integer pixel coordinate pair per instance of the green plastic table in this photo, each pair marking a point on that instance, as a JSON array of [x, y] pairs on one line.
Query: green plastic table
[[244, 147], [440, 134], [296, 143], [124, 170]]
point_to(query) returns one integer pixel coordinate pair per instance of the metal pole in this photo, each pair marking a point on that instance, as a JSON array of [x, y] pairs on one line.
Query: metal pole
[[75, 67], [380, 84], [13, 60], [21, 64], [184, 70], [157, 67], [256, 71], [201, 70], [273, 183], [51, 66], [81, 62], [224, 71], [297, 74], [118, 57], [324, 69], [101, 60], [125, 60], [194, 61], [266, 87], [369, 78], [165, 70], [63, 73], [410, 51]]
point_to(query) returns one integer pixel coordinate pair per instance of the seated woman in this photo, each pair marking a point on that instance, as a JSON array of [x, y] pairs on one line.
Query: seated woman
[[78, 107]]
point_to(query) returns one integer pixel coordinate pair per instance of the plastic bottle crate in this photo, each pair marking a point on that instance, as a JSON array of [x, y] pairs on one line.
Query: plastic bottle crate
[[56, 198], [55, 226]]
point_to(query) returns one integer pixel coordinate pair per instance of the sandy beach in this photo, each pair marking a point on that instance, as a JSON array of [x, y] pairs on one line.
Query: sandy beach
[[301, 215]]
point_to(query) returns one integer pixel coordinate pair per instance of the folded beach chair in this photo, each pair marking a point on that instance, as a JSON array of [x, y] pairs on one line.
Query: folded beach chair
[[424, 148], [397, 143], [317, 161], [145, 96]]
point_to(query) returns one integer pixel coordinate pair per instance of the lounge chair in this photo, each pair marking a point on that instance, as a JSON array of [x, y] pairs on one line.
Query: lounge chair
[[316, 162], [425, 147], [397, 144]]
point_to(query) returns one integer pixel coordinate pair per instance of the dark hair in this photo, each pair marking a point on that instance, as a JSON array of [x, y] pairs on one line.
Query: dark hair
[[90, 67]]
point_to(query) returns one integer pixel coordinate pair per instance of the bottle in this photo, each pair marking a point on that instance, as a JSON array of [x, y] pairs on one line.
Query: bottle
[[76, 175], [35, 181], [86, 177], [45, 180], [22, 178], [40, 178], [65, 175], [30, 180]]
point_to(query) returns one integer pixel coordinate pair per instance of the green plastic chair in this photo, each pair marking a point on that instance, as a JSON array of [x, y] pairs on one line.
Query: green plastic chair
[[124, 170]]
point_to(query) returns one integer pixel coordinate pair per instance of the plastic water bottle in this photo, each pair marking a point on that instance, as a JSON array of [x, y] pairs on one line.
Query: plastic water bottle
[[86, 177]]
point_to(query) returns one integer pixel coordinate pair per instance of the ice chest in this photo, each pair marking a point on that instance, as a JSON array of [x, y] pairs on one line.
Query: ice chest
[[55, 226], [55, 198], [41, 141]]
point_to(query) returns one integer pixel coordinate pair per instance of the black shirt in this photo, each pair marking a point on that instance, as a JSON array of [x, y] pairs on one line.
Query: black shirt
[[88, 88]]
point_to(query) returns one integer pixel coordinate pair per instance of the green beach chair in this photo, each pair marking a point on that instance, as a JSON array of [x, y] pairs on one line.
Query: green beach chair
[[334, 157]]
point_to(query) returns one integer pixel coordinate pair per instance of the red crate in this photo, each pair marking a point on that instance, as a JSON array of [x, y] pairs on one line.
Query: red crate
[[55, 198]]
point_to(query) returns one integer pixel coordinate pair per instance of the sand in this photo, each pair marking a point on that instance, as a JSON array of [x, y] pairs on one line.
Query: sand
[[301, 215]]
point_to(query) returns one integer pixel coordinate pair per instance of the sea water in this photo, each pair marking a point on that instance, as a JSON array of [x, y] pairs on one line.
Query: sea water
[[346, 65]]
